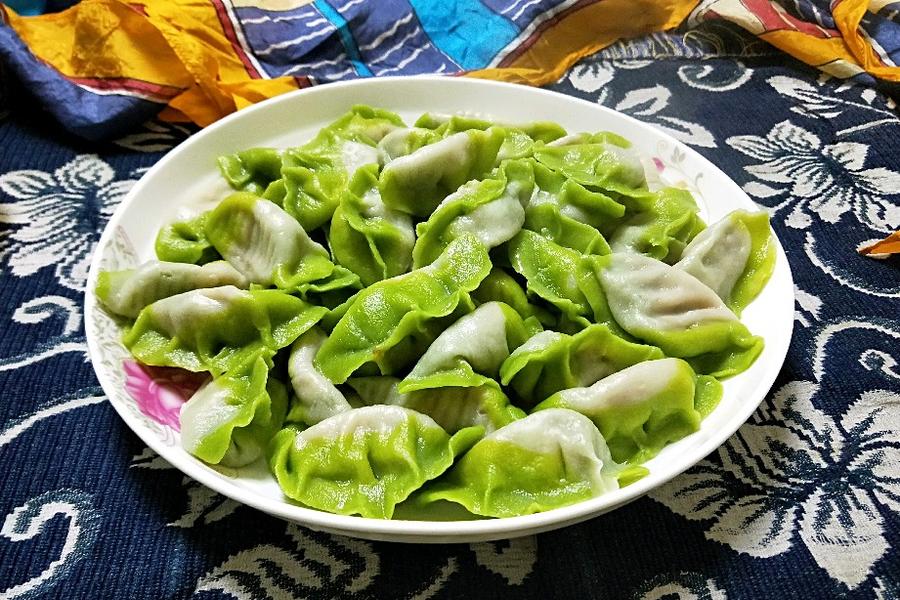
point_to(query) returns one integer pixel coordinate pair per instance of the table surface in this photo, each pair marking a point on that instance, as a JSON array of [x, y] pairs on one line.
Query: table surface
[[803, 502]]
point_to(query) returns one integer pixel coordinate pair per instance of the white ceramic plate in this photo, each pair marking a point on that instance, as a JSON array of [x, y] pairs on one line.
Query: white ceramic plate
[[188, 176]]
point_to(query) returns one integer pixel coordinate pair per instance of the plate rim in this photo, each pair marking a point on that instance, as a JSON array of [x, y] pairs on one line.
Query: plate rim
[[403, 530]]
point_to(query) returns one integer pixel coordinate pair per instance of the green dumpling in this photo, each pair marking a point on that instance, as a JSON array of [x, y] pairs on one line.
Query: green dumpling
[[230, 420], [270, 248], [673, 310], [500, 286], [390, 322], [551, 361], [367, 237], [251, 170], [218, 329], [549, 459], [453, 408], [735, 257], [641, 409], [417, 183], [185, 241], [660, 224], [602, 161], [469, 352], [560, 276], [490, 209], [315, 175], [127, 292], [364, 461]]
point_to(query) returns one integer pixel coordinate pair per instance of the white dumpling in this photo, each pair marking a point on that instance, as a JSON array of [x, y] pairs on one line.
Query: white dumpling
[[647, 294], [316, 397], [718, 255], [627, 387], [492, 223], [178, 315], [127, 292]]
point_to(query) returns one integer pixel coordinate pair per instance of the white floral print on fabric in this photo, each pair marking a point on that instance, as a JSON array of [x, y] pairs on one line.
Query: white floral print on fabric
[[793, 473], [645, 104], [827, 180], [683, 586], [57, 217]]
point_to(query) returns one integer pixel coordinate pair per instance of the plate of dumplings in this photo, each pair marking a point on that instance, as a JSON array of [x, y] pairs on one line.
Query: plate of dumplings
[[435, 309]]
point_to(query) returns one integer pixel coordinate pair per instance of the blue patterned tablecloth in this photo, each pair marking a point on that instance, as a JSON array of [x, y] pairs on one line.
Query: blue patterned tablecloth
[[804, 502]]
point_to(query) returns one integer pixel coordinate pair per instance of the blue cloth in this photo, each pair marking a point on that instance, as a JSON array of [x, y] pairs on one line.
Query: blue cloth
[[802, 503]]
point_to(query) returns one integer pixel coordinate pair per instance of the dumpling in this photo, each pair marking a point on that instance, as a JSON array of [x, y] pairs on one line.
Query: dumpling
[[602, 160], [316, 398], [364, 461], [367, 237], [453, 408], [251, 170], [734, 257], [401, 142], [127, 292], [500, 286], [218, 329], [569, 214], [549, 459], [391, 322], [551, 361], [268, 246], [230, 420], [491, 210], [185, 241], [660, 225], [315, 175], [417, 183], [561, 277], [642, 408], [469, 352], [670, 308]]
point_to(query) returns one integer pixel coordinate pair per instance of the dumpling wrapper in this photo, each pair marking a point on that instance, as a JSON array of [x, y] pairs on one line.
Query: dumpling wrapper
[[230, 420], [127, 292], [673, 310], [551, 361], [734, 257], [644, 407], [218, 329], [364, 461], [549, 459]]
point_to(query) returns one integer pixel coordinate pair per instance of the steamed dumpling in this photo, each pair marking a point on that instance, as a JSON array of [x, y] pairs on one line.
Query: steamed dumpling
[[390, 323], [127, 292], [367, 237], [316, 398], [315, 175], [491, 210], [218, 329], [364, 461], [230, 420], [469, 352], [602, 160], [185, 241], [642, 408], [734, 257], [453, 408], [673, 310], [266, 244], [659, 225], [416, 183], [551, 361], [549, 459]]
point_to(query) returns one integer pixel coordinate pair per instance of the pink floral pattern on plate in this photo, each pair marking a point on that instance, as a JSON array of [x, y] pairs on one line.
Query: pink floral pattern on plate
[[160, 391]]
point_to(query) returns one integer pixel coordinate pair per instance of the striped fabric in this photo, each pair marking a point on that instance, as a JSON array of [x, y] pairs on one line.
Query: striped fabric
[[104, 65]]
